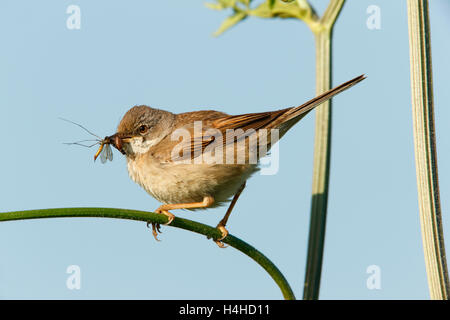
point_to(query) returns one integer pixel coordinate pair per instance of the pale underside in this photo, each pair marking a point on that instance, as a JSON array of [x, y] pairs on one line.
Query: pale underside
[[190, 179]]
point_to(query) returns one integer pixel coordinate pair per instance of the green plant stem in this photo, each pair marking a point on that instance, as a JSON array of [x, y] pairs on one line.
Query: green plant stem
[[425, 149], [322, 151], [185, 224]]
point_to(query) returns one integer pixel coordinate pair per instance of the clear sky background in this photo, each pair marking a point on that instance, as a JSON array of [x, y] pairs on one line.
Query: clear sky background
[[162, 53]]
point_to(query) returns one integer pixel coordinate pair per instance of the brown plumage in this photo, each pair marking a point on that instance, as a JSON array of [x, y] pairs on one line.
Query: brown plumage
[[163, 151]]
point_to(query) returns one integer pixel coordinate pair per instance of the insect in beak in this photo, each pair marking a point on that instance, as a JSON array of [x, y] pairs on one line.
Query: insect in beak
[[104, 150], [98, 151]]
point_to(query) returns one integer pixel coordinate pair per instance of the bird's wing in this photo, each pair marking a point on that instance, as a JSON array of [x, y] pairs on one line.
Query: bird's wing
[[204, 131], [206, 135]]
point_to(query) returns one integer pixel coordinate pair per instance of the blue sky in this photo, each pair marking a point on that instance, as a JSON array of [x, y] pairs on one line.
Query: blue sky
[[162, 53]]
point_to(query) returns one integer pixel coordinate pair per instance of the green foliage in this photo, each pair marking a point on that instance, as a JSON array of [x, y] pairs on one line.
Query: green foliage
[[230, 21], [241, 9]]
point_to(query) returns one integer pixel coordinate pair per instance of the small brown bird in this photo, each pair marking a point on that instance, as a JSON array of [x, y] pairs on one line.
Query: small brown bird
[[202, 170]]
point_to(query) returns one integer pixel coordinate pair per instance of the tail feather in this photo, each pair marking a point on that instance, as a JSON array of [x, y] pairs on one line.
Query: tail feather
[[293, 115]]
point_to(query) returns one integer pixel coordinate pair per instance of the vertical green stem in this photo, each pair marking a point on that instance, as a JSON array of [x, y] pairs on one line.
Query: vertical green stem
[[425, 149], [322, 151]]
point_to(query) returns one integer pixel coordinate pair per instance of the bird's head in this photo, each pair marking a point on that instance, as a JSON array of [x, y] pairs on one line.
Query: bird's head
[[141, 128]]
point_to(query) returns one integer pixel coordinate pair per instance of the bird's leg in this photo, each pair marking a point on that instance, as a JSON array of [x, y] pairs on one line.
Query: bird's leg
[[164, 209], [223, 222]]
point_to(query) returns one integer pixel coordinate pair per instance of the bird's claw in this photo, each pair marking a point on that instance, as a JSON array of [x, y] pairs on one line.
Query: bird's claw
[[168, 214], [224, 232], [220, 244], [156, 227]]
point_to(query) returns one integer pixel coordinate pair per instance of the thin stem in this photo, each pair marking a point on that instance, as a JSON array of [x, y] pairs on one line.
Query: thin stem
[[185, 224], [322, 152], [425, 149]]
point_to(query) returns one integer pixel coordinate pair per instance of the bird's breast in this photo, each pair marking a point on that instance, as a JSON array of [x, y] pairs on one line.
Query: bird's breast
[[186, 183]]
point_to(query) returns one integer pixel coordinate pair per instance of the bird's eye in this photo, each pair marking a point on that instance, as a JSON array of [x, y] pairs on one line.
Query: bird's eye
[[143, 129]]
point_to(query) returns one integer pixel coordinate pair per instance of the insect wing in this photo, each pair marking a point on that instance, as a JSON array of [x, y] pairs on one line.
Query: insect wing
[[109, 153], [104, 154]]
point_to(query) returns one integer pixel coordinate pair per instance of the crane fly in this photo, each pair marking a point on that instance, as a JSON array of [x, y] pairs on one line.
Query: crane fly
[[104, 151]]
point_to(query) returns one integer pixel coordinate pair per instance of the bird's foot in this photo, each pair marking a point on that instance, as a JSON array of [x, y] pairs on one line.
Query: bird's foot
[[168, 214], [224, 232], [156, 227]]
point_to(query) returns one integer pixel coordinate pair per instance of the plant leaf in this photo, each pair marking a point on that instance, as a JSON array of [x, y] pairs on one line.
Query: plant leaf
[[229, 22], [303, 5], [246, 2], [228, 3], [214, 6]]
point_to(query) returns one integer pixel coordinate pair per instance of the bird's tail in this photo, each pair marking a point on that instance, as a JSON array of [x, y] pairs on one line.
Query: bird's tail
[[292, 115]]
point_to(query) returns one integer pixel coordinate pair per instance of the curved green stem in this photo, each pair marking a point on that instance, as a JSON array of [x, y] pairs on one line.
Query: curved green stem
[[189, 225]]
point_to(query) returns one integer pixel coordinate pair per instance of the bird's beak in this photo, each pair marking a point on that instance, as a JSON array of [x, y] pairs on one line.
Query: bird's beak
[[117, 140]]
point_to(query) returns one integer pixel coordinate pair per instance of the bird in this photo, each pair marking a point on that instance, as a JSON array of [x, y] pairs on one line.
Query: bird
[[183, 161]]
